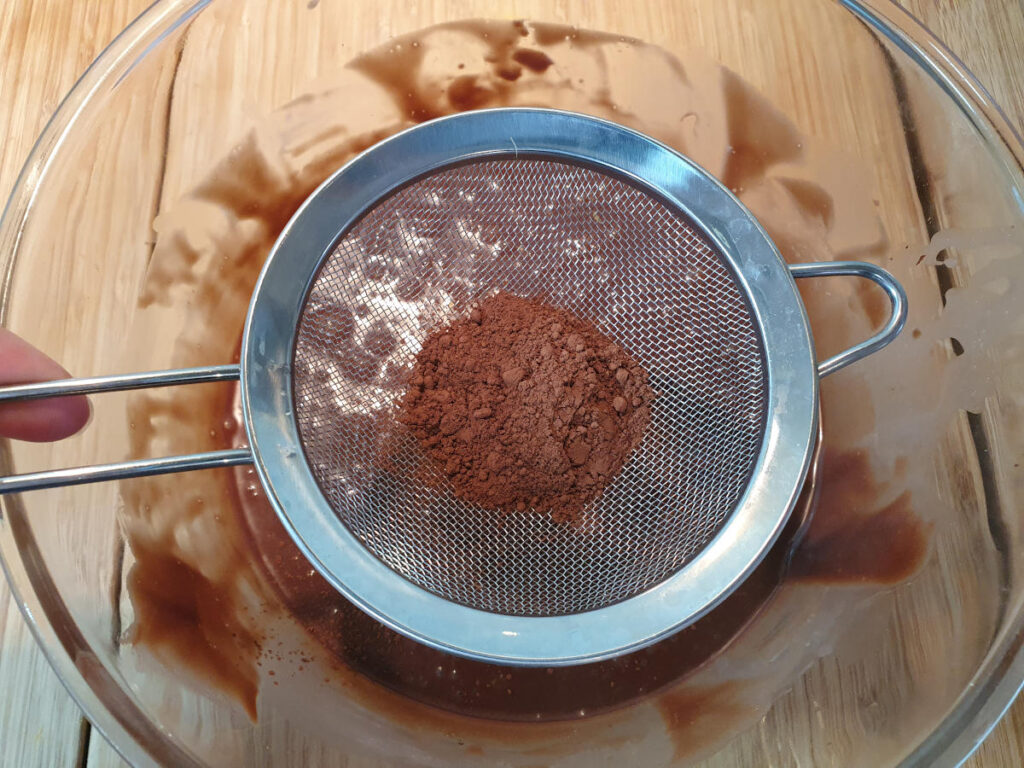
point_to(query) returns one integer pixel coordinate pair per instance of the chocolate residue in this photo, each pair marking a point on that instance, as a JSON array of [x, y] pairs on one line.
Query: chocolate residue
[[393, 69], [510, 73], [851, 537], [193, 555], [467, 93], [548, 34], [710, 712], [180, 614], [535, 61], [813, 199], [759, 136]]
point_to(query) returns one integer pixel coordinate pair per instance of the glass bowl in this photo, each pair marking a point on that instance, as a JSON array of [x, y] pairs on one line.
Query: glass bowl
[[167, 606]]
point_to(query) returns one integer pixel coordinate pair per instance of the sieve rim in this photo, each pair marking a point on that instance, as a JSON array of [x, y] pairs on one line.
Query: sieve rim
[[268, 346]]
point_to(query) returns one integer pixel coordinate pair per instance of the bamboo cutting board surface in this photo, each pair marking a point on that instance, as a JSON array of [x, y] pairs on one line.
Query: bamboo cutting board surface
[[44, 47]]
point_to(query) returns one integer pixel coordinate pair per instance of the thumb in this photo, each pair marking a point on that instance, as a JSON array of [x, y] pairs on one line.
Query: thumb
[[36, 420]]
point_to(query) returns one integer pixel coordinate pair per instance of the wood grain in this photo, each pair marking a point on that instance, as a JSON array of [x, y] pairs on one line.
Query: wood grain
[[46, 44], [989, 38], [44, 48]]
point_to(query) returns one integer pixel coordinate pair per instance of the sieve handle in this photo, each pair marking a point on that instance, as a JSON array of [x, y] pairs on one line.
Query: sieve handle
[[124, 382], [125, 469], [888, 283]]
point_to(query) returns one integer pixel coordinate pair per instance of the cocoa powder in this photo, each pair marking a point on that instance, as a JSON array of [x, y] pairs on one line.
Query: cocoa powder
[[526, 406]]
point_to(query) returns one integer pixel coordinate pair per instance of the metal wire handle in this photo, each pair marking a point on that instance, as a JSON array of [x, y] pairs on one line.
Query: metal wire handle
[[35, 481], [897, 300], [227, 458]]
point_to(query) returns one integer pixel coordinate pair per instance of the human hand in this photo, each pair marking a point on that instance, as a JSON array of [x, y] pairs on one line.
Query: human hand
[[38, 420]]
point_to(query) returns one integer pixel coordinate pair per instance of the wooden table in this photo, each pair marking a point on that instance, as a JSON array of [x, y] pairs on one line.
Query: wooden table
[[46, 44]]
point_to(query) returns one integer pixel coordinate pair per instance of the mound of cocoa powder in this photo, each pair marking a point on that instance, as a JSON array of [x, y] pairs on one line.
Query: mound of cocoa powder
[[525, 406]]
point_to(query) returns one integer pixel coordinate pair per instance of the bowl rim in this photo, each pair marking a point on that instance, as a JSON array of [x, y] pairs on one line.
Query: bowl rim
[[130, 732], [999, 678], [987, 696]]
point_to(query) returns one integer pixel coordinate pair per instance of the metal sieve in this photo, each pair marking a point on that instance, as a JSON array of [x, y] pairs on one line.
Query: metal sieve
[[588, 216]]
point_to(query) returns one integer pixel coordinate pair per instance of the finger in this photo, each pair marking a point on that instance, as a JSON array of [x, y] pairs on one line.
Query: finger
[[38, 420]]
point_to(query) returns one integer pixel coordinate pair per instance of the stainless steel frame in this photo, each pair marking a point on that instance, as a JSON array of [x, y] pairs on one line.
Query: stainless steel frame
[[55, 478], [266, 388], [268, 348]]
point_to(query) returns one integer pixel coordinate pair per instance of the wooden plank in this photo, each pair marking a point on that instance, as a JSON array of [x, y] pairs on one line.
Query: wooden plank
[[987, 37], [40, 726], [102, 755], [44, 47]]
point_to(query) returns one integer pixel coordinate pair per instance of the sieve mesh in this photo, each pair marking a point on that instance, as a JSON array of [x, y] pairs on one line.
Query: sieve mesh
[[589, 243]]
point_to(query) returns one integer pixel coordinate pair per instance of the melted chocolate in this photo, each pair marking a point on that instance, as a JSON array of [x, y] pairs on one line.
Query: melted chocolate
[[179, 613], [852, 539], [533, 60], [759, 137]]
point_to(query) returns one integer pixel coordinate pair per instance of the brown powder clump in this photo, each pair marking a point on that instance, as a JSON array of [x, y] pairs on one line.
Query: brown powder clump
[[525, 406]]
